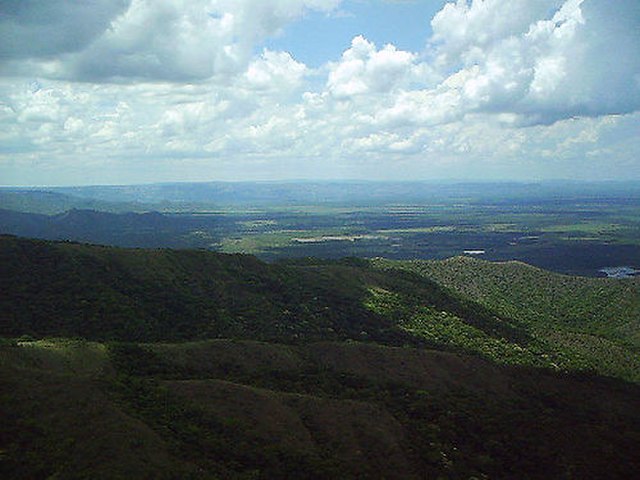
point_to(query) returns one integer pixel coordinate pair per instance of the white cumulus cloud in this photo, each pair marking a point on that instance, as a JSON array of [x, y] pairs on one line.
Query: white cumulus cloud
[[149, 87], [134, 40], [365, 69], [544, 60], [275, 71], [35, 28]]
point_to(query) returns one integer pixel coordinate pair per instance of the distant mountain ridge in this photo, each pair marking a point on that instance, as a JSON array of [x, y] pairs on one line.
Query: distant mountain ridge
[[274, 193], [127, 229], [48, 202]]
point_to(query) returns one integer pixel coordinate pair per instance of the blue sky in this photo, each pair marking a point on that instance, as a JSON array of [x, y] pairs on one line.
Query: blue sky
[[139, 91], [320, 36]]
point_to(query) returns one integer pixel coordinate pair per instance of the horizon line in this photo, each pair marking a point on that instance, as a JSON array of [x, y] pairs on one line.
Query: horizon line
[[332, 181]]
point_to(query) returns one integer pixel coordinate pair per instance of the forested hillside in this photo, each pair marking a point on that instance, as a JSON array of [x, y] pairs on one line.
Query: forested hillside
[[595, 321], [244, 409], [510, 313], [192, 364]]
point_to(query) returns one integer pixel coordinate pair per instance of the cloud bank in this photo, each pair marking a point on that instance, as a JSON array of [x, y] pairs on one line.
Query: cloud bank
[[177, 89], [543, 60], [134, 40]]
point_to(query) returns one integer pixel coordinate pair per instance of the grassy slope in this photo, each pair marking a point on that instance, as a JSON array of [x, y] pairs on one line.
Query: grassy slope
[[244, 409], [593, 322]]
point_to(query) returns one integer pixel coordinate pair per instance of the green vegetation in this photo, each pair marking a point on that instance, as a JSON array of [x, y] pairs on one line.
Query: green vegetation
[[510, 313], [103, 293], [584, 323], [575, 229], [121, 363], [244, 409]]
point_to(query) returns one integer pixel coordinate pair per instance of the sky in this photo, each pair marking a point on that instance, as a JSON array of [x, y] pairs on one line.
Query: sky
[[143, 91]]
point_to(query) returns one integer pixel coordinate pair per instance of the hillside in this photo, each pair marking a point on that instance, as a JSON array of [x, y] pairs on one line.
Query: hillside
[[607, 307], [595, 321], [121, 363], [130, 229], [106, 293], [244, 409], [51, 202]]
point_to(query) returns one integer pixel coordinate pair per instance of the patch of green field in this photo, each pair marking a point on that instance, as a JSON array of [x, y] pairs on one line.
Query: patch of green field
[[255, 243], [435, 229], [600, 228], [64, 356], [489, 227], [575, 238], [257, 224]]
